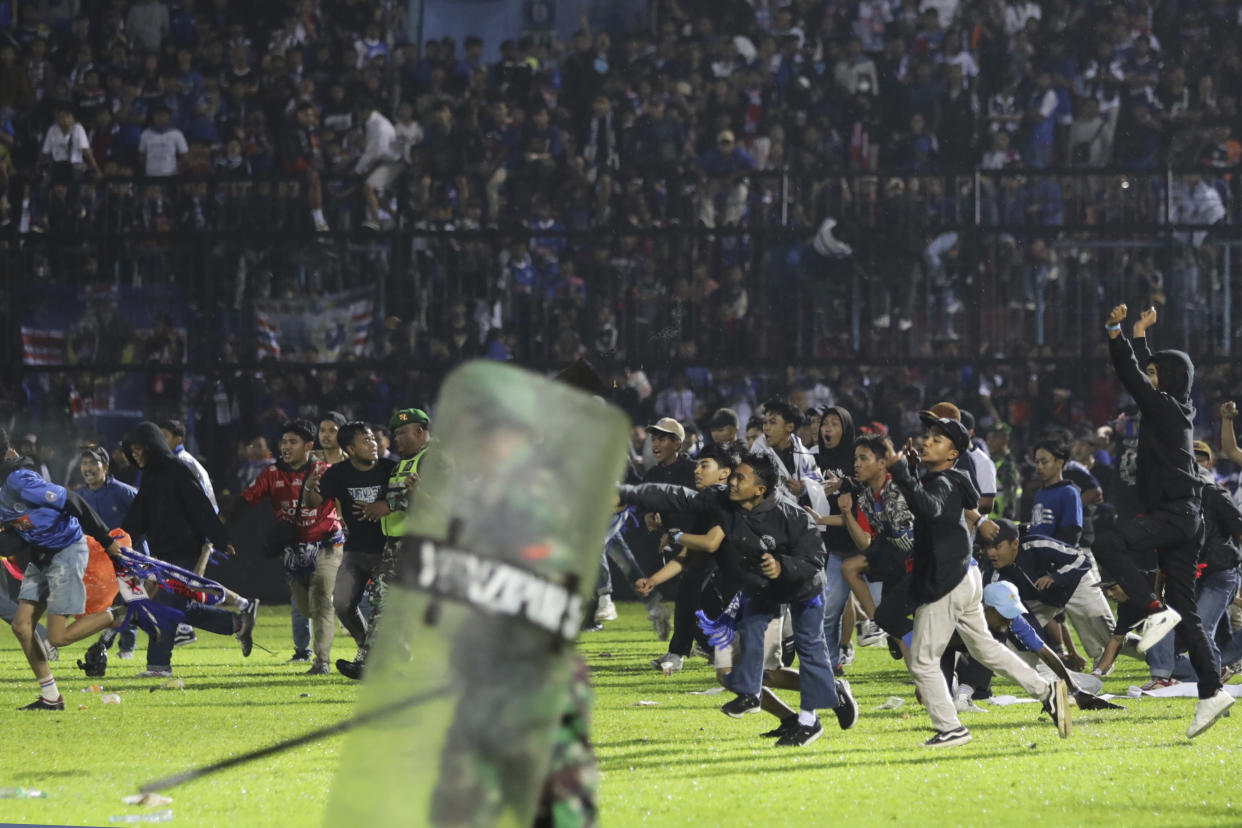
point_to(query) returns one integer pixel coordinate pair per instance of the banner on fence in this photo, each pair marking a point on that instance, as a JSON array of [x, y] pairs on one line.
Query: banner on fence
[[103, 325], [326, 328]]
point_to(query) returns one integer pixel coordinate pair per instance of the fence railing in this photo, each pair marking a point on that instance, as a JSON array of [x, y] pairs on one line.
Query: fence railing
[[986, 263]]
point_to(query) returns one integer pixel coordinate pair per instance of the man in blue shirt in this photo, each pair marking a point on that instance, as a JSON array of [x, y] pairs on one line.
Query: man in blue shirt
[[111, 499], [1057, 512], [1011, 622], [54, 522]]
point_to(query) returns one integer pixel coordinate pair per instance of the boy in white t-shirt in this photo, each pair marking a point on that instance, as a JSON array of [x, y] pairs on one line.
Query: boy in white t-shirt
[[161, 146]]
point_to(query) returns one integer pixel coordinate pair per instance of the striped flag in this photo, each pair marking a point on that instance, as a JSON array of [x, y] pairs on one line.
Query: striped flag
[[43, 346], [316, 329]]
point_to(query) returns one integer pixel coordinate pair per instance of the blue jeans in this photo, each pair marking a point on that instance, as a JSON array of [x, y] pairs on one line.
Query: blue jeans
[[818, 685], [1232, 651], [211, 619], [1213, 593], [301, 630], [836, 596]]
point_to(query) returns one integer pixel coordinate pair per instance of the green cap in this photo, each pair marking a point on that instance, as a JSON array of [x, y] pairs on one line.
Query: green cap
[[408, 415]]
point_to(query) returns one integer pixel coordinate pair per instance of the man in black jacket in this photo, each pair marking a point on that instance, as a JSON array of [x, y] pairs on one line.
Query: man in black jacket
[[1218, 579], [174, 516], [1170, 490], [947, 587], [773, 553]]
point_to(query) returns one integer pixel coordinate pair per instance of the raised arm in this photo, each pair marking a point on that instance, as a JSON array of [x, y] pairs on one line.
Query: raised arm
[[1126, 357], [665, 497]]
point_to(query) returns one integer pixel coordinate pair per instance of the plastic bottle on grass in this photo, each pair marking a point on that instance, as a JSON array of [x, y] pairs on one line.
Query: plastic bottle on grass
[[111, 698], [165, 815], [21, 793]]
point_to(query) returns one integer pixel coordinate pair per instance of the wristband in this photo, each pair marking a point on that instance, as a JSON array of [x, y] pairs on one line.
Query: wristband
[[1111, 328], [677, 537]]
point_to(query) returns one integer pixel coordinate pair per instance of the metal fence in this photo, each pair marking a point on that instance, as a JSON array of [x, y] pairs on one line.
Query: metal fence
[[979, 264]]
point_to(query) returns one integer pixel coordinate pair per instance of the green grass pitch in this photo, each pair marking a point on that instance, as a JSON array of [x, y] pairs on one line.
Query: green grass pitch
[[680, 762]]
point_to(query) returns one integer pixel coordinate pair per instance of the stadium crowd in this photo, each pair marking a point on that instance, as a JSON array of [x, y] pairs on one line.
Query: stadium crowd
[[167, 118]]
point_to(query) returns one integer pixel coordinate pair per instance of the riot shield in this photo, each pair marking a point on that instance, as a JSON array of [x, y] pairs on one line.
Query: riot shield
[[474, 649]]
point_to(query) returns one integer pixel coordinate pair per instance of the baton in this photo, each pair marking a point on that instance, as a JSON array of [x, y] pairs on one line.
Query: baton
[[288, 744]]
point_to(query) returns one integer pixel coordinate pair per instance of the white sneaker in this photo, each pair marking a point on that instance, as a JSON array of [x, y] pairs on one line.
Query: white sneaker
[[870, 635], [883, 321], [1208, 711], [125, 655], [321, 227], [607, 610], [156, 672], [904, 325], [1156, 627], [847, 655], [965, 704]]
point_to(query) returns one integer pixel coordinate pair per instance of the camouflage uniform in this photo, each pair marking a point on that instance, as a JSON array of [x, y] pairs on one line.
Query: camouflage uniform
[[568, 799], [1008, 487]]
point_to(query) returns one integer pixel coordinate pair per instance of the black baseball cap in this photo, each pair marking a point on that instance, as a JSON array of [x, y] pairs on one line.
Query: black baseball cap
[[953, 429]]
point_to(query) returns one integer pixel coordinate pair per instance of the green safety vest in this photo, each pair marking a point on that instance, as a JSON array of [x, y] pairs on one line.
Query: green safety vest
[[394, 524]]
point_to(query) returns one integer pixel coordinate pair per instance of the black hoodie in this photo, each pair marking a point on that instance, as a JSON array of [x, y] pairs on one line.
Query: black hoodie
[[941, 553], [839, 460], [1166, 469], [777, 525], [171, 511]]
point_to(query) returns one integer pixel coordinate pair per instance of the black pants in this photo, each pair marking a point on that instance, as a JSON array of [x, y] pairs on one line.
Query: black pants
[[686, 603], [1175, 532], [957, 660], [896, 606], [351, 581]]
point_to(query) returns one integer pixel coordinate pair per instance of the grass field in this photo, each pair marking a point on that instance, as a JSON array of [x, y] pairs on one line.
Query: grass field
[[677, 763]]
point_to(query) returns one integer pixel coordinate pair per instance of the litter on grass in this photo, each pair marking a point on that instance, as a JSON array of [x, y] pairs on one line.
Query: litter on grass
[[158, 816], [893, 703], [148, 799], [645, 703], [171, 684], [711, 691], [111, 698]]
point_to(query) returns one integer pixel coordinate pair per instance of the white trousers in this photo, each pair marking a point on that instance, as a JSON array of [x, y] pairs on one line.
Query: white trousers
[[960, 611]]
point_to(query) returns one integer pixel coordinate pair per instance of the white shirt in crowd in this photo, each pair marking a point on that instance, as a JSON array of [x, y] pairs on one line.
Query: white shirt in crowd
[[161, 150], [409, 135], [66, 146], [381, 143]]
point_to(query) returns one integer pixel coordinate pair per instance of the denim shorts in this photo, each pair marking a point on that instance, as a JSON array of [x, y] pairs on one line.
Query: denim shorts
[[59, 584]]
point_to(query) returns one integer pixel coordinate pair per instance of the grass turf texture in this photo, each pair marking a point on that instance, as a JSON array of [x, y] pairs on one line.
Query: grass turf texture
[[679, 763]]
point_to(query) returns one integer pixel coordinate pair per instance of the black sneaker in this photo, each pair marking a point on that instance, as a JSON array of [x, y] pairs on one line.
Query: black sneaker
[[847, 708], [739, 707], [96, 663], [350, 669], [893, 648], [1057, 706], [787, 724], [43, 704], [949, 738], [245, 630], [788, 651], [184, 635], [300, 657], [801, 735]]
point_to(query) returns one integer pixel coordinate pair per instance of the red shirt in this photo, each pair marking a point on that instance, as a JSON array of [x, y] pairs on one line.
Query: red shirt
[[282, 487]]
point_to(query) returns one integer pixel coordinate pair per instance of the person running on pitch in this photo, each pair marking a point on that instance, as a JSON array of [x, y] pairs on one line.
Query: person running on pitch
[[946, 586], [1170, 489]]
